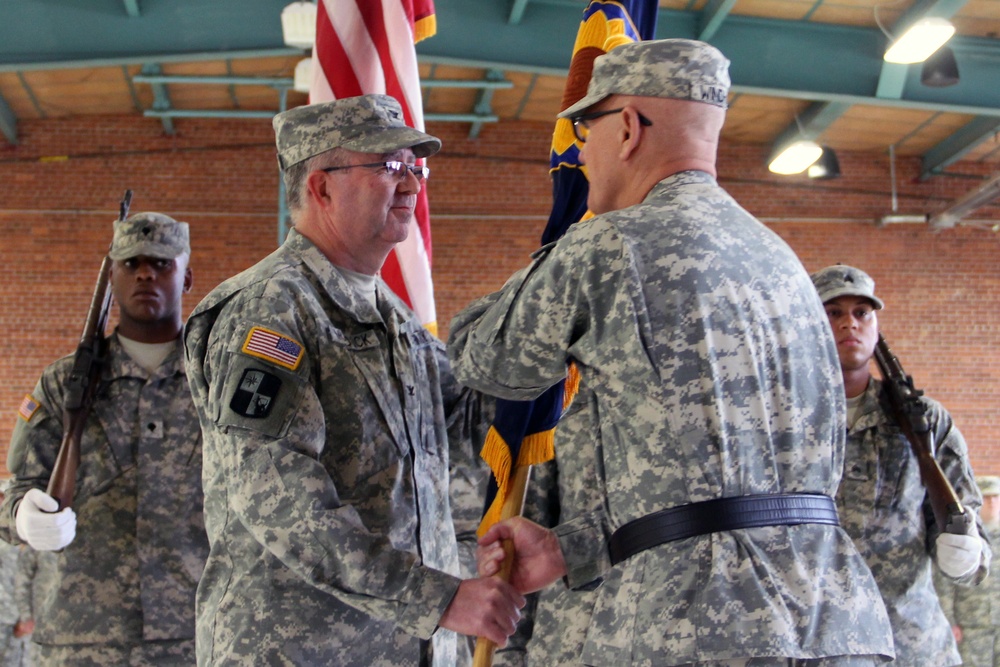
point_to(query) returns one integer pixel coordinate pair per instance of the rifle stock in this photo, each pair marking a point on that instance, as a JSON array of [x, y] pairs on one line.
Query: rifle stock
[[911, 414], [84, 377]]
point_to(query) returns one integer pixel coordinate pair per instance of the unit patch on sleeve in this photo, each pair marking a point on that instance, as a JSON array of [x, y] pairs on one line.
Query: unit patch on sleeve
[[272, 346], [28, 407], [255, 395]]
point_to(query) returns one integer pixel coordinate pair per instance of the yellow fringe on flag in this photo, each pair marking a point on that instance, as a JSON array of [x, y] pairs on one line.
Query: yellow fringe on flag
[[424, 28], [535, 448], [572, 385]]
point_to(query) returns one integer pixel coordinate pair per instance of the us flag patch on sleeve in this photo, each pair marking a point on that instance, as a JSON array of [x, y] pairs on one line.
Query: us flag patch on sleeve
[[28, 407], [272, 346]]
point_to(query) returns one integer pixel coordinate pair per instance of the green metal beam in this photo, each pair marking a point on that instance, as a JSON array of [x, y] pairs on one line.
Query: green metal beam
[[131, 89], [31, 95], [167, 114], [517, 11], [810, 124], [273, 82], [712, 16], [488, 84], [8, 122], [461, 118], [958, 144], [142, 57], [484, 102], [132, 8], [161, 100]]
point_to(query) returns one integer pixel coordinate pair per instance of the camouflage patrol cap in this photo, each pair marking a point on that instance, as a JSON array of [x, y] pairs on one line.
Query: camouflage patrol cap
[[366, 124], [682, 69], [149, 234], [989, 485], [842, 280]]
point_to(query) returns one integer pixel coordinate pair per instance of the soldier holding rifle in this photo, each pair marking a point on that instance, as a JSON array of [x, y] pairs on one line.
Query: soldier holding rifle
[[884, 503], [131, 547]]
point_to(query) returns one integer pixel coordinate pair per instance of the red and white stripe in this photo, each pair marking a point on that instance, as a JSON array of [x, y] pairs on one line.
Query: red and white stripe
[[367, 46]]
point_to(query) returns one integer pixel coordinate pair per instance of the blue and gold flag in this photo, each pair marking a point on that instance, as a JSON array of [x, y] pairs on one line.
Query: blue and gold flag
[[522, 432]]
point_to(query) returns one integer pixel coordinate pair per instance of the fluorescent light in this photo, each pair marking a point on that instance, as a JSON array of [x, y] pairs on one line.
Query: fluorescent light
[[902, 218], [921, 40], [796, 158], [303, 76], [298, 24]]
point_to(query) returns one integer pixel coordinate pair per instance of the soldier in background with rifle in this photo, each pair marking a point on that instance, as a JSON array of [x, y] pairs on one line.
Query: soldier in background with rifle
[[128, 532], [906, 504]]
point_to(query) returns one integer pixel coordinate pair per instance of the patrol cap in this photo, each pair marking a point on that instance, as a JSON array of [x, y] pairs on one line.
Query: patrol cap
[[989, 485], [842, 280], [150, 234], [366, 124], [681, 69]]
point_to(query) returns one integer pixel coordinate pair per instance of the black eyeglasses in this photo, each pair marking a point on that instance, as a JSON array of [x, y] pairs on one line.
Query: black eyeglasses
[[581, 127], [394, 167]]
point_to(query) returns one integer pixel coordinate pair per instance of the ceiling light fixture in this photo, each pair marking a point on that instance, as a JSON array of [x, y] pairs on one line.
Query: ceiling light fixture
[[303, 76], [826, 167], [920, 40], [298, 25], [795, 158], [940, 69]]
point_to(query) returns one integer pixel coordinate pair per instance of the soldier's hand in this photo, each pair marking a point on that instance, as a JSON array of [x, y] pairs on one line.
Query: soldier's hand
[[958, 555], [538, 560], [24, 628], [40, 525], [485, 607]]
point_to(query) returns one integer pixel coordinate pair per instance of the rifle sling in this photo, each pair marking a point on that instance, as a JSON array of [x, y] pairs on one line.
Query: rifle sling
[[720, 514]]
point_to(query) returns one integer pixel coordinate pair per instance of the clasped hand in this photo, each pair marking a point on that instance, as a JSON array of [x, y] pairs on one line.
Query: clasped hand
[[40, 525]]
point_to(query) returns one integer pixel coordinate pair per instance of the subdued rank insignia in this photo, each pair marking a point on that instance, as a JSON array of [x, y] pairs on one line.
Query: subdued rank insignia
[[254, 397], [28, 407]]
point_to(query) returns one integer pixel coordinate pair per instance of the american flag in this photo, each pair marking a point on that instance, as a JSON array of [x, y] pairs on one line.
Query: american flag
[[271, 346], [367, 46], [28, 407]]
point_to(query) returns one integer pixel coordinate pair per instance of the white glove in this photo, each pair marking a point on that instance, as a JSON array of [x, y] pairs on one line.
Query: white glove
[[958, 555], [40, 525]]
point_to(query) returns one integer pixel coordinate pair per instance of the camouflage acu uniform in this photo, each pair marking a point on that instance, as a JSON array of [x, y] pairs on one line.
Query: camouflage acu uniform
[[12, 649], [716, 376], [554, 624], [129, 576], [326, 470], [976, 609], [883, 505]]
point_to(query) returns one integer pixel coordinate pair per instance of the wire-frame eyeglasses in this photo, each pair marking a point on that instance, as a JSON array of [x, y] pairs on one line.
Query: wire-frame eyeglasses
[[395, 167], [581, 126]]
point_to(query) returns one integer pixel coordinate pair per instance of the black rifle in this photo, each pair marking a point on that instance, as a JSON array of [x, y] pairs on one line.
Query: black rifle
[[911, 414], [83, 380]]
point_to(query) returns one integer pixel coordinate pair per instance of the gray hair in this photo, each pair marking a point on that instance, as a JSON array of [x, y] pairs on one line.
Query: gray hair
[[295, 175]]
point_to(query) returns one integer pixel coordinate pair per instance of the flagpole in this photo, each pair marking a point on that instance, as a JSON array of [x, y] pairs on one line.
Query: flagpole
[[512, 506]]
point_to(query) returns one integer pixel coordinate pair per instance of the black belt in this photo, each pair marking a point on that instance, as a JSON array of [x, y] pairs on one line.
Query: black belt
[[713, 516]]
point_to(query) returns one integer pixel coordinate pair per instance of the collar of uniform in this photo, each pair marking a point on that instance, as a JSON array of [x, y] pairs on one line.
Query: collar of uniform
[[332, 280], [120, 364], [869, 411]]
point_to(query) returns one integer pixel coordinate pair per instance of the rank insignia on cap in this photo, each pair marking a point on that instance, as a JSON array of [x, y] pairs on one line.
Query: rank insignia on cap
[[254, 396], [272, 346], [28, 407]]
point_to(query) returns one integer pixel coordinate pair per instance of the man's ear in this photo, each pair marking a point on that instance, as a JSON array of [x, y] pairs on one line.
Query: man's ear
[[188, 279], [631, 133], [318, 186]]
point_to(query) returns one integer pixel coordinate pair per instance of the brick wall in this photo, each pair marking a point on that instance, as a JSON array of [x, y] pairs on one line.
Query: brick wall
[[59, 189]]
